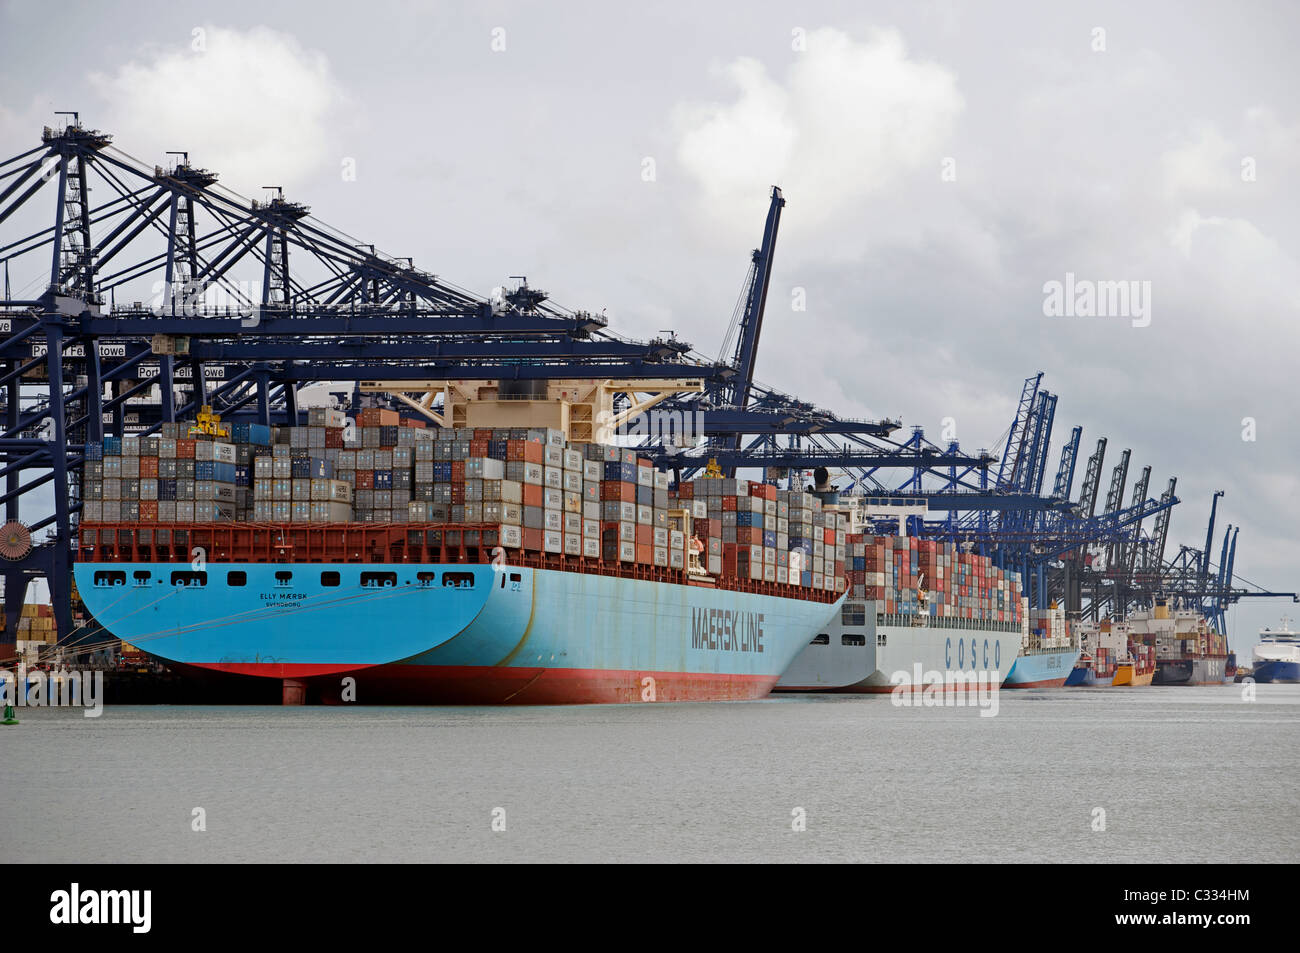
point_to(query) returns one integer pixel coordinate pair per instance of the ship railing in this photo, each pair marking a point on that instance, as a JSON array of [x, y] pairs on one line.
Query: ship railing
[[369, 543]]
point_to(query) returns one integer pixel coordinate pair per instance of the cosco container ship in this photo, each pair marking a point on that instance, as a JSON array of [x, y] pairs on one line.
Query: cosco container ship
[[919, 612], [383, 562]]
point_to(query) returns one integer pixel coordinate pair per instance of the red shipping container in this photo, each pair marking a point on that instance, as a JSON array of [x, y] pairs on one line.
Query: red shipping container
[[458, 471], [148, 509], [184, 449], [645, 554], [686, 491], [148, 468], [532, 539], [378, 417], [618, 491], [365, 479], [515, 449], [645, 535], [729, 504], [458, 493]]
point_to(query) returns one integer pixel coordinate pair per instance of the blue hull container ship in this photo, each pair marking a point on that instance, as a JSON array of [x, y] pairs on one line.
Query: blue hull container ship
[[380, 561]]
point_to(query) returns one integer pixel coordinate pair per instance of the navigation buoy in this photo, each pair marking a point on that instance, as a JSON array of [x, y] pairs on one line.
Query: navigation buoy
[[9, 718]]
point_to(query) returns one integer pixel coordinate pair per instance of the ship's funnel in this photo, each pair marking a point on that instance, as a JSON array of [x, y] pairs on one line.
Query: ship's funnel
[[822, 488]]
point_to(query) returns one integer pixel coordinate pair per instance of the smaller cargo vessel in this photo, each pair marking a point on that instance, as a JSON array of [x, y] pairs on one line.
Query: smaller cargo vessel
[[1188, 650], [1048, 654], [1138, 668], [1277, 656], [1101, 645]]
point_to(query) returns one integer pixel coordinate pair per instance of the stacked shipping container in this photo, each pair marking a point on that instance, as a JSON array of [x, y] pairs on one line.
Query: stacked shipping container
[[911, 576], [546, 496]]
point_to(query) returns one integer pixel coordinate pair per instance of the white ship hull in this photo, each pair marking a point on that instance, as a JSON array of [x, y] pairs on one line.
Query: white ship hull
[[883, 653]]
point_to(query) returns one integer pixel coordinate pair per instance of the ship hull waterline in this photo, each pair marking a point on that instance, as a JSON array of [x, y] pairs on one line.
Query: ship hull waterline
[[877, 659], [463, 634]]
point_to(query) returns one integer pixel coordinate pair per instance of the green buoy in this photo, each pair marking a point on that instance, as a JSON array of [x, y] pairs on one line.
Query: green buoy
[[9, 716]]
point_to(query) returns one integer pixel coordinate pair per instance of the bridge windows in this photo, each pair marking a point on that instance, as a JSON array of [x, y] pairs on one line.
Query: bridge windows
[[853, 614]]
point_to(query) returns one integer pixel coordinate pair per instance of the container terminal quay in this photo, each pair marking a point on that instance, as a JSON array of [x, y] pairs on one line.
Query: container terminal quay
[[308, 467]]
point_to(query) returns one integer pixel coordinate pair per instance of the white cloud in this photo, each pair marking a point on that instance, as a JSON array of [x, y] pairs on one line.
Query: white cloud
[[1206, 164], [1209, 163], [253, 106], [850, 119]]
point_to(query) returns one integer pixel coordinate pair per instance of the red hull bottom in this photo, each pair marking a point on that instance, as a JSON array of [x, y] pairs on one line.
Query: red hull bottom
[[1045, 683], [492, 685], [880, 689]]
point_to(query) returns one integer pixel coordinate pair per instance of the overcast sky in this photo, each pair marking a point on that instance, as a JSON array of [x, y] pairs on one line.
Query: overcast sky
[[941, 163]]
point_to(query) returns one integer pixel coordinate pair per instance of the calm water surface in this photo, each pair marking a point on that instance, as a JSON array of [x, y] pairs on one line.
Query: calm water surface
[[1183, 774]]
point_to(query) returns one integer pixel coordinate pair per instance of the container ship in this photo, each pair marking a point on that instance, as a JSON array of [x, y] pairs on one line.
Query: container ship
[[918, 611], [1101, 647], [1188, 650], [1137, 668], [1116, 653], [488, 565], [1048, 654], [1277, 656]]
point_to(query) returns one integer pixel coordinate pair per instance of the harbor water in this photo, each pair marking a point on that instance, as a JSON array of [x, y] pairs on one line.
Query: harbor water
[[1181, 774]]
